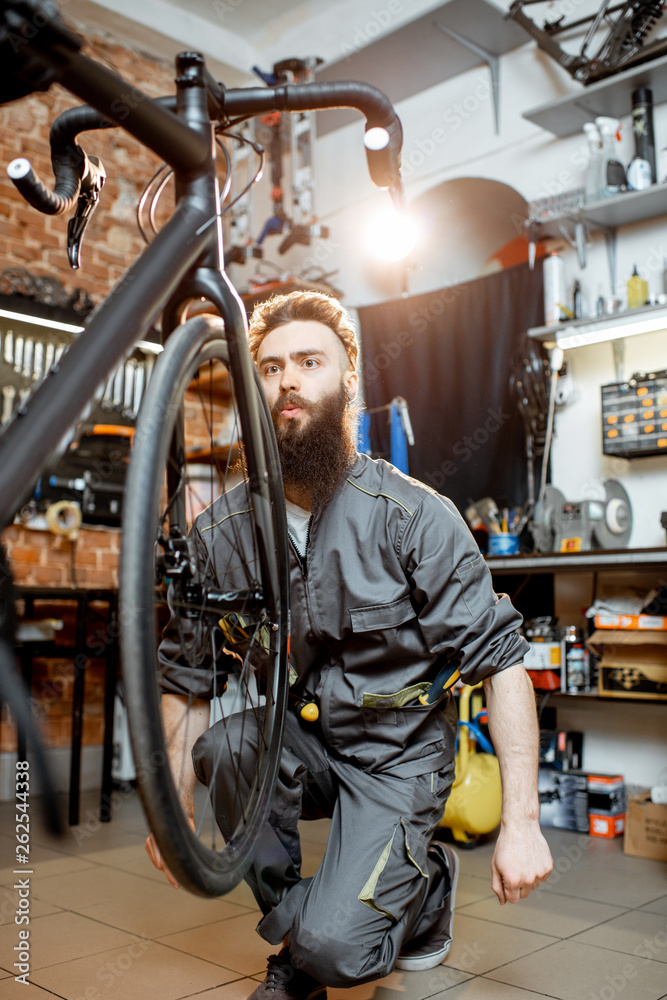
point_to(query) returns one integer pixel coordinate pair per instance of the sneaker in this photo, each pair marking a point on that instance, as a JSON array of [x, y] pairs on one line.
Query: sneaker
[[427, 952], [285, 982]]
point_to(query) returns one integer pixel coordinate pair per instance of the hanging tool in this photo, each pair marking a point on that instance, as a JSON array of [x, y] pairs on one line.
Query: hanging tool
[[301, 226], [8, 395]]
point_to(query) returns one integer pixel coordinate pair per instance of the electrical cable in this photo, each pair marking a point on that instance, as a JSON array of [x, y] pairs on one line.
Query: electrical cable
[[543, 705], [555, 365], [259, 150], [155, 188], [143, 199]]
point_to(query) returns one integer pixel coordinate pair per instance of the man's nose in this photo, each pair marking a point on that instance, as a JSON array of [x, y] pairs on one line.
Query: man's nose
[[289, 380]]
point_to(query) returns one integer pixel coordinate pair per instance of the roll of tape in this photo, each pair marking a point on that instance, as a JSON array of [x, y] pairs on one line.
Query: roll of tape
[[64, 518]]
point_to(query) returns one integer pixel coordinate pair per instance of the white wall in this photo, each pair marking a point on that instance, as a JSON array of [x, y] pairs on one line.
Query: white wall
[[627, 737]]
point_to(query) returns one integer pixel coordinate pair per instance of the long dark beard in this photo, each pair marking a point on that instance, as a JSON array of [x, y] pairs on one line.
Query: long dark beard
[[316, 457]]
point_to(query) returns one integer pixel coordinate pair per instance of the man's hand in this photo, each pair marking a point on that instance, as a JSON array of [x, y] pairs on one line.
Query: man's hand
[[155, 855], [521, 862]]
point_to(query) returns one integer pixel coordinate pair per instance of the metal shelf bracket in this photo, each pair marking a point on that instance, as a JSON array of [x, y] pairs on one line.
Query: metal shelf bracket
[[492, 61]]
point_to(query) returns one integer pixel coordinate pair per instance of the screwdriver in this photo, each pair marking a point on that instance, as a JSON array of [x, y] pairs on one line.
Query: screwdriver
[[447, 677]]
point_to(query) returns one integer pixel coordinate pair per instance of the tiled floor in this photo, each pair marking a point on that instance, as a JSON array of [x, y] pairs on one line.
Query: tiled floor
[[104, 925]]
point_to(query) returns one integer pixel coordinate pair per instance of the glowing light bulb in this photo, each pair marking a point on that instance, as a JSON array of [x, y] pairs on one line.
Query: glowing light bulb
[[391, 235]]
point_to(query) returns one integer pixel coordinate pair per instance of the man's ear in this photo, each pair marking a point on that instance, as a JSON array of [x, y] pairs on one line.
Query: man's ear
[[351, 381]]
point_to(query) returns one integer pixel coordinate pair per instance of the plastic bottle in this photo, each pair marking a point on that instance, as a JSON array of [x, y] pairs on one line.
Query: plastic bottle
[[639, 174], [577, 662], [637, 290], [612, 171], [593, 180], [642, 128], [554, 288]]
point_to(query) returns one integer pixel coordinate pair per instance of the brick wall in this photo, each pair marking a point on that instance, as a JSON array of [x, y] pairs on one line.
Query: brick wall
[[41, 559], [37, 242]]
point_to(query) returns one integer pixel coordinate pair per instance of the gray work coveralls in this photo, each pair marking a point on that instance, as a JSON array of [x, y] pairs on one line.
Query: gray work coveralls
[[393, 586]]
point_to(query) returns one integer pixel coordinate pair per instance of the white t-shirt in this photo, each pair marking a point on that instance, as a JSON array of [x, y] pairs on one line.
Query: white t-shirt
[[298, 521]]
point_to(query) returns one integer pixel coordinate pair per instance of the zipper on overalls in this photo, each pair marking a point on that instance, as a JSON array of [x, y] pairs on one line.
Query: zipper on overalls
[[303, 560]]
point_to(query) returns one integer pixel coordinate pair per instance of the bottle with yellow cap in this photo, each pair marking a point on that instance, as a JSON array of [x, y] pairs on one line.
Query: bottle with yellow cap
[[637, 290]]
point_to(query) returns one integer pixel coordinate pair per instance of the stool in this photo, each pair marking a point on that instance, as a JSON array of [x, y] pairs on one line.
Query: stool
[[79, 653], [32, 638]]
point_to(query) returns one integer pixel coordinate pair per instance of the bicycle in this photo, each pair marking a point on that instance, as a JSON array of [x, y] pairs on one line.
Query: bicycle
[[628, 26], [233, 615]]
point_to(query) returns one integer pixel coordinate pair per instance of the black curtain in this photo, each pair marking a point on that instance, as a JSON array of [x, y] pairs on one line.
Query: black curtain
[[450, 355]]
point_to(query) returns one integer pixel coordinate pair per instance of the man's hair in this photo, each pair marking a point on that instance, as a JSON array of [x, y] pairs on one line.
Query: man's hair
[[303, 306]]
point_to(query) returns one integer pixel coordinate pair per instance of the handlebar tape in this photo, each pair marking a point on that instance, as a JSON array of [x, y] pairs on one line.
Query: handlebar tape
[[70, 164], [384, 165]]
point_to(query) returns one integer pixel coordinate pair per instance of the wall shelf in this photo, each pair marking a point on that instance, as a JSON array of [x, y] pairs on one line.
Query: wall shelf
[[608, 560], [606, 215], [621, 210], [610, 97], [598, 329]]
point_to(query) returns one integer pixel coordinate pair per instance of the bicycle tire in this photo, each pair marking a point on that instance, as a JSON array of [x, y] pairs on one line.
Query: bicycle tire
[[16, 696], [258, 663]]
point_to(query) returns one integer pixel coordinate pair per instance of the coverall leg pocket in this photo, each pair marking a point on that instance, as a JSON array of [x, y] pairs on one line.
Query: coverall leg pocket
[[400, 873]]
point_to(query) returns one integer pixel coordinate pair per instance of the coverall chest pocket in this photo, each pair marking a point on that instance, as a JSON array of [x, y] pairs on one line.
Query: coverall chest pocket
[[376, 622], [373, 617]]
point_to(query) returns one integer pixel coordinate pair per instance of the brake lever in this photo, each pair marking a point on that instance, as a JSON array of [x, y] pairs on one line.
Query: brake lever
[[89, 196]]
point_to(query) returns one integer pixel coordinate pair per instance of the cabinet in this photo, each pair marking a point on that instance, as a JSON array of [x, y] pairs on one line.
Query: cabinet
[[653, 561]]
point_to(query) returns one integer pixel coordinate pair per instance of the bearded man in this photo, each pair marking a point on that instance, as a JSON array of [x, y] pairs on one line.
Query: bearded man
[[387, 588]]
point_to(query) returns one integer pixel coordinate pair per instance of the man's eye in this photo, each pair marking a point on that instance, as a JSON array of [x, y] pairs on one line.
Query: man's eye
[[310, 363], [271, 370]]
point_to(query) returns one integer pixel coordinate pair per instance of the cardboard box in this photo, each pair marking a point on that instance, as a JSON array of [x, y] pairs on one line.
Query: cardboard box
[[633, 663], [605, 826], [606, 805], [652, 622], [645, 828]]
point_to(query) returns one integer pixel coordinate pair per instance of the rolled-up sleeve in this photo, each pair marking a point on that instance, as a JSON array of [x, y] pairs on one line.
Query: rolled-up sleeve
[[460, 615]]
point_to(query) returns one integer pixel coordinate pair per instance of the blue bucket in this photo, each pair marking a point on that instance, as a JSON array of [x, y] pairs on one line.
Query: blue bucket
[[503, 544]]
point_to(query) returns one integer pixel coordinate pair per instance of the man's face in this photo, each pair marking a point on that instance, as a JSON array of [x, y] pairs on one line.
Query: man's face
[[300, 364]]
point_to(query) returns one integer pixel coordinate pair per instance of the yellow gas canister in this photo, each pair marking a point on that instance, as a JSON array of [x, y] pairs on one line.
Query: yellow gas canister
[[474, 804]]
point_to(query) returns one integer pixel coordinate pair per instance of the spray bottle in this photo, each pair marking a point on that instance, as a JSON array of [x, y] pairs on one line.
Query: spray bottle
[[613, 179]]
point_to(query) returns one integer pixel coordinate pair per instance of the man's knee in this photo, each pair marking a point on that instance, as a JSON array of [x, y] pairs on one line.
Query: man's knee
[[335, 955], [224, 747]]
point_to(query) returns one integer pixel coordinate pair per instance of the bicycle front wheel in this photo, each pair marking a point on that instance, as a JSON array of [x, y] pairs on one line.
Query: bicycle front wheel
[[204, 599]]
